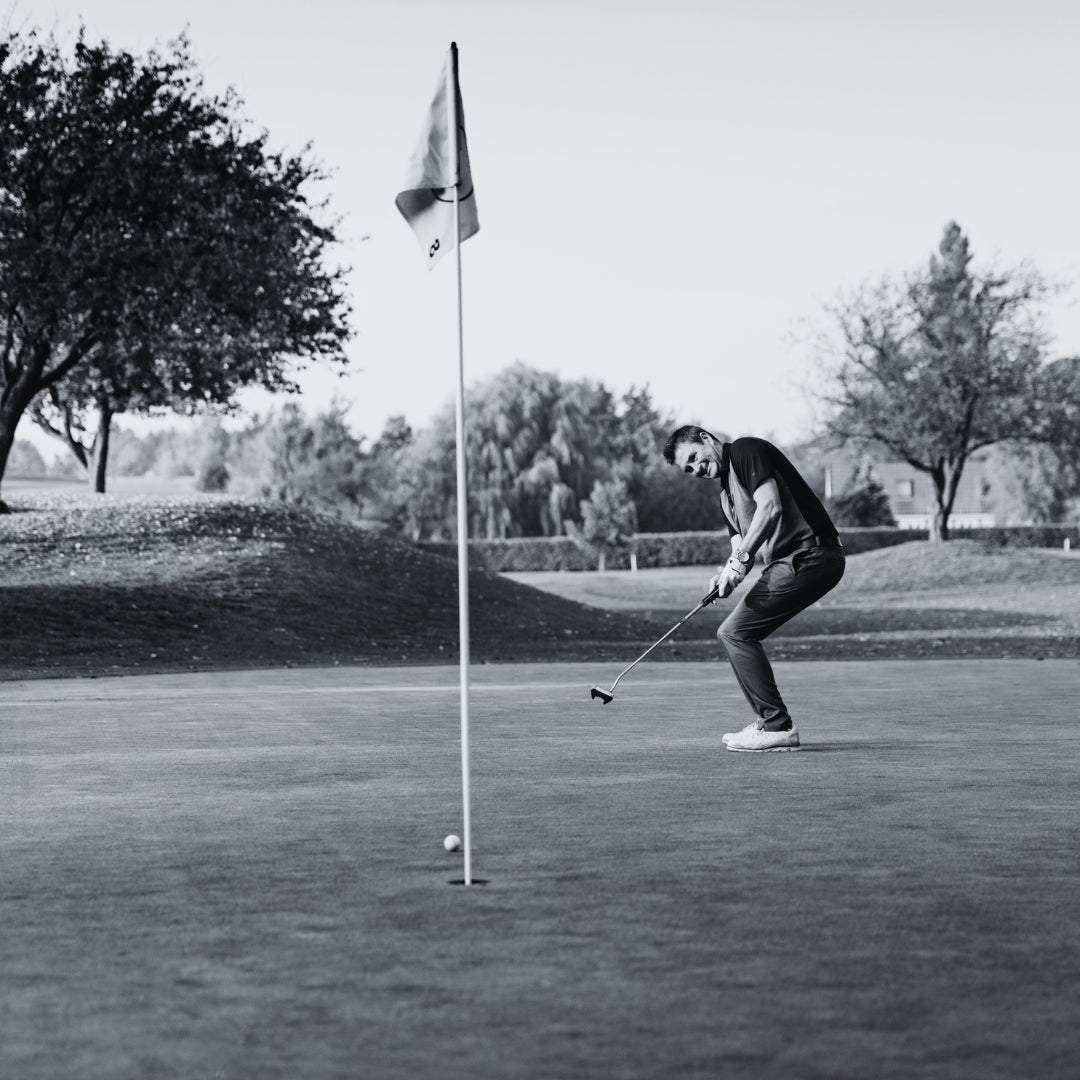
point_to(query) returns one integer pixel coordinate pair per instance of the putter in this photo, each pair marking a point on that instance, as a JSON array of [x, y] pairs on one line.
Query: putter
[[606, 695]]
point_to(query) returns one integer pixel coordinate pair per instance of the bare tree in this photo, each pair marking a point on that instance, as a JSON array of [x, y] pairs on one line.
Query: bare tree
[[940, 365]]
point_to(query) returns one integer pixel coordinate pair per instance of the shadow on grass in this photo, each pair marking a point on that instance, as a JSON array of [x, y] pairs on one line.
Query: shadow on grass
[[267, 616]]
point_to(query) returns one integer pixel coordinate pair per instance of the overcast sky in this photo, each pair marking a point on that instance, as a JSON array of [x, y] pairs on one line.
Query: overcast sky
[[666, 189]]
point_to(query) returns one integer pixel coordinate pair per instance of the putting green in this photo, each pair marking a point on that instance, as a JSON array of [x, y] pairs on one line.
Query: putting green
[[242, 874]]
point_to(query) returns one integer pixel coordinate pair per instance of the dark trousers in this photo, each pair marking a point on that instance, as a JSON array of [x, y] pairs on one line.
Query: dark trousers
[[785, 588]]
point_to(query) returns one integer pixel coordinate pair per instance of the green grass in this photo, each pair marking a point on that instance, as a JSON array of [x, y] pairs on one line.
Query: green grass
[[242, 875]]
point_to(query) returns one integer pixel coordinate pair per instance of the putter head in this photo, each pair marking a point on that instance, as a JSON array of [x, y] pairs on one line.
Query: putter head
[[603, 695]]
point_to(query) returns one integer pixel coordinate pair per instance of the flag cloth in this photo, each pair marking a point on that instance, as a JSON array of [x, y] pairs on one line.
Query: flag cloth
[[427, 201]]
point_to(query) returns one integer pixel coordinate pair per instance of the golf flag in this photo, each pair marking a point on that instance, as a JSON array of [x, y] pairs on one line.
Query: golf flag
[[427, 201]]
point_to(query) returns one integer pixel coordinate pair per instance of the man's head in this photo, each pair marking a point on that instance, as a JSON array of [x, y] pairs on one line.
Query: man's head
[[695, 451]]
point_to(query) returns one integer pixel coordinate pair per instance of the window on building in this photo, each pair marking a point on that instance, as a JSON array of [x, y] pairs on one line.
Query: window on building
[[905, 488]]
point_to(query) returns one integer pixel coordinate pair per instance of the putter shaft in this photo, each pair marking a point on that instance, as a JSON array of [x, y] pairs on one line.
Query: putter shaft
[[606, 695]]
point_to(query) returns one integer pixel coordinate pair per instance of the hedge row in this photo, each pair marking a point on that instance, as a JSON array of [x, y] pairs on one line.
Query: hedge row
[[1024, 536], [702, 548]]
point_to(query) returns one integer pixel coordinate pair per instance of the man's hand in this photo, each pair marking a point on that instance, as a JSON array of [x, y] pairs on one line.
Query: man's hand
[[728, 577]]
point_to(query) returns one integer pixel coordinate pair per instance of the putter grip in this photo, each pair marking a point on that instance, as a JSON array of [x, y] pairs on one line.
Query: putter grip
[[711, 597]]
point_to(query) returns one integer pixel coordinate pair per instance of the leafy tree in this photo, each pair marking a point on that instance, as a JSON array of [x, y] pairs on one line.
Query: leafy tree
[[212, 471], [536, 446], [608, 519], [132, 454], [26, 459], [420, 492], [1034, 483], [1057, 421], [316, 463], [396, 435], [385, 502], [665, 500], [153, 254], [940, 366]]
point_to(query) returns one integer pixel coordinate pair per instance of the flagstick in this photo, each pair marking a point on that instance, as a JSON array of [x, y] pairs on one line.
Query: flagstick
[[463, 571], [462, 490]]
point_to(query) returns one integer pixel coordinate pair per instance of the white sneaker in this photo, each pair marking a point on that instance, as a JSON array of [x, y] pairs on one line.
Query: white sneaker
[[756, 740], [754, 725]]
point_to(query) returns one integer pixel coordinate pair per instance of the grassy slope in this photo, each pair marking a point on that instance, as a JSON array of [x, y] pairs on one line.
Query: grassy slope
[[165, 585], [105, 587], [912, 600]]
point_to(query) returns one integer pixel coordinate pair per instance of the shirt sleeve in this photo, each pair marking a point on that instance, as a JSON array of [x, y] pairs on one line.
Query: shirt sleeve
[[752, 462]]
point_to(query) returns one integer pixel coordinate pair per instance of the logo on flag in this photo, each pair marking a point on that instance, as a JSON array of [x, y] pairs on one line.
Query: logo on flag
[[436, 168]]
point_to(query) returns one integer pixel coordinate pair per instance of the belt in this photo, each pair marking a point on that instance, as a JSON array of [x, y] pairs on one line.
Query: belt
[[820, 543]]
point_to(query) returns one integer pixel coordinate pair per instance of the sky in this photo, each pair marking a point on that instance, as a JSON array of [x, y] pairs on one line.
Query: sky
[[669, 192]]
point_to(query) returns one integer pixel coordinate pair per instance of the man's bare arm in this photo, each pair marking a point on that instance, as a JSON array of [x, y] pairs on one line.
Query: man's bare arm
[[767, 511]]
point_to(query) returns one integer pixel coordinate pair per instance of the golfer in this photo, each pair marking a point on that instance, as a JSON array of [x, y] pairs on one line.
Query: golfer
[[771, 512]]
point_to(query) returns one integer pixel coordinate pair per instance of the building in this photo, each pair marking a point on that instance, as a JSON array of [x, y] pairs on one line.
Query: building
[[911, 491]]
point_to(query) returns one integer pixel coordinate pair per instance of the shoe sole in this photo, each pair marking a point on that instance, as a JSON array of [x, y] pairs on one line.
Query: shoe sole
[[727, 736], [761, 750]]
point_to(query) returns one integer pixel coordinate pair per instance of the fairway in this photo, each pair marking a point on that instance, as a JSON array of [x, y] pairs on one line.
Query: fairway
[[242, 875]]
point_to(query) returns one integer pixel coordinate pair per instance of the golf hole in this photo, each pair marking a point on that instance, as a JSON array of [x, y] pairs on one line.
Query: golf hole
[[475, 881]]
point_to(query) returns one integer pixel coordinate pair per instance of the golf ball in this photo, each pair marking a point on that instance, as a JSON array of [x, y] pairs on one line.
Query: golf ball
[[452, 843]]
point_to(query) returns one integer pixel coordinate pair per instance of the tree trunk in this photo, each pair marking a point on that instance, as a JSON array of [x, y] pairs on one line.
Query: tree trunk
[[13, 403], [939, 524], [946, 478], [939, 521], [7, 440], [99, 451]]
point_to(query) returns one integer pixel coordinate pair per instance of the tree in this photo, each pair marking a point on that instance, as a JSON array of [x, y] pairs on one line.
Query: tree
[[288, 458], [535, 448], [26, 459], [153, 254], [608, 519], [1034, 483], [864, 502], [425, 486], [212, 446], [940, 366]]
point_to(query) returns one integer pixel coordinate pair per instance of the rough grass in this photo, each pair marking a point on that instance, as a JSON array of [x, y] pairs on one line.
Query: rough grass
[[923, 566], [115, 585], [911, 600], [158, 584]]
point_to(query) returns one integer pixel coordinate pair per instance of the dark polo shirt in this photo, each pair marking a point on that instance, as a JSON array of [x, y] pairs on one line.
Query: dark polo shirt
[[804, 522]]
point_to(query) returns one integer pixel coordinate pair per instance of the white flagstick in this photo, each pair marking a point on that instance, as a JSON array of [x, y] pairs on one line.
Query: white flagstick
[[462, 490]]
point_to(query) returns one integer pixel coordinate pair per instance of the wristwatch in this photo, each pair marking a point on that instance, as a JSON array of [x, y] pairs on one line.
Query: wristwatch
[[742, 556]]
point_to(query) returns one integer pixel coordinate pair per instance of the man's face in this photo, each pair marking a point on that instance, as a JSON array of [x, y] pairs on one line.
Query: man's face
[[701, 459]]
